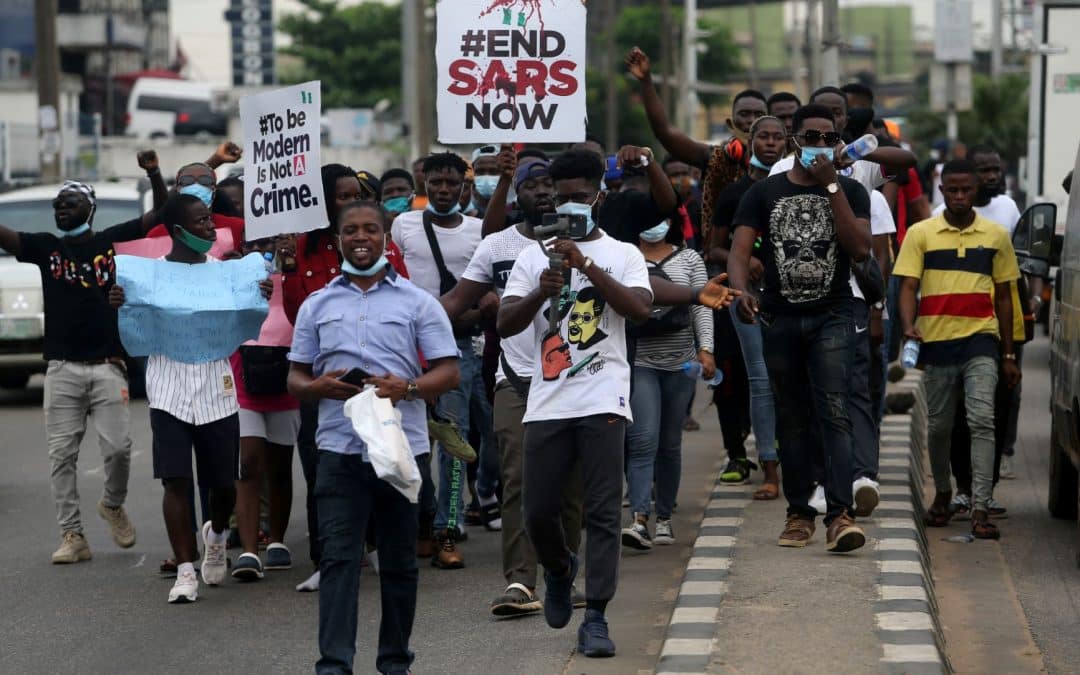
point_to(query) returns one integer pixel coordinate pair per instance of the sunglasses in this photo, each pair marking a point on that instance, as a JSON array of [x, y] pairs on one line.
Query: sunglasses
[[68, 202], [184, 181], [812, 137]]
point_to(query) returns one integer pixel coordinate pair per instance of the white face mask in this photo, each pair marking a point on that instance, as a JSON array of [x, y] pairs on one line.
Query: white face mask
[[575, 209], [655, 234]]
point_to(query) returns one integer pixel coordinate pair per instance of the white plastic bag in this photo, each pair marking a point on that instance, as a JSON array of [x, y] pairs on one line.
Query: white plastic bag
[[378, 424]]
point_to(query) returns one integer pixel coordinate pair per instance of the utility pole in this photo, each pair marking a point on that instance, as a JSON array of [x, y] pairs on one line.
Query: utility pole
[[667, 55], [611, 103], [410, 109], [688, 84], [47, 68], [830, 43], [417, 72], [754, 78], [813, 46], [996, 60], [425, 76]]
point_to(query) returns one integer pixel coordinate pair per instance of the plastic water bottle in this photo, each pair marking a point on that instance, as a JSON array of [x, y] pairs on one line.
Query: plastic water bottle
[[861, 147], [910, 355], [268, 260], [694, 371]]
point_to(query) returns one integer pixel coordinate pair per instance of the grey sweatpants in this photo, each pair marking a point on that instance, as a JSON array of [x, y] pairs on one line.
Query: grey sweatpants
[[552, 448], [74, 392]]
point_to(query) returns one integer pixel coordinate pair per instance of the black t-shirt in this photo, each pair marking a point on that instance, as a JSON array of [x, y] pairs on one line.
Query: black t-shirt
[[805, 267], [625, 215], [727, 202], [76, 278]]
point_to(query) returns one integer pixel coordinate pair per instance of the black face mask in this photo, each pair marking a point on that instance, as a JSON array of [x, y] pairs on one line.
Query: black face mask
[[858, 122]]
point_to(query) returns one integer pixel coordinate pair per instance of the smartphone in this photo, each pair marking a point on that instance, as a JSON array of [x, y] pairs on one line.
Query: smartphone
[[356, 377]]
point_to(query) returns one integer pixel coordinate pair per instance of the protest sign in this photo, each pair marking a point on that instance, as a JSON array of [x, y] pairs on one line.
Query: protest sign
[[511, 71], [190, 313], [282, 175], [157, 247]]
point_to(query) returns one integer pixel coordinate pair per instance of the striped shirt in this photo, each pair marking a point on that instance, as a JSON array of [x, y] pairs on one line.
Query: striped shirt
[[669, 352], [196, 393], [957, 270]]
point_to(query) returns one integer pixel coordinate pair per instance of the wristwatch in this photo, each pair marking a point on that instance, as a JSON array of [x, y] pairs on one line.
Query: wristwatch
[[587, 264], [833, 188], [411, 391], [1009, 357], [707, 350]]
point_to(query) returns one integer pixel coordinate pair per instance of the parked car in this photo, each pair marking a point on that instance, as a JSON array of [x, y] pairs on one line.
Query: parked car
[[154, 104], [22, 305], [198, 119]]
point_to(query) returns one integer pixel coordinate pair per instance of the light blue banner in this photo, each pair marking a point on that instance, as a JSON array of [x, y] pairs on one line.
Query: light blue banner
[[190, 313]]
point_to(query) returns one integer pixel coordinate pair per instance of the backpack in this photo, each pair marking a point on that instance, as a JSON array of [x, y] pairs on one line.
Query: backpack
[[663, 320]]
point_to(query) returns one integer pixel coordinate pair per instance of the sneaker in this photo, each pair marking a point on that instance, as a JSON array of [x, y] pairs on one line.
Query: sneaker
[[447, 556], [960, 506], [491, 515], [248, 567], [997, 509], [737, 471], [843, 535], [577, 597], [73, 549], [186, 589], [309, 585], [592, 636], [449, 437], [818, 501], [798, 530], [517, 600], [213, 563], [123, 532], [637, 536], [665, 536], [1006, 471], [558, 600], [278, 557], [473, 517], [866, 496]]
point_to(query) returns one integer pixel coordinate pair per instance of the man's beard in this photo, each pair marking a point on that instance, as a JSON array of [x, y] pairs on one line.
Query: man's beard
[[988, 192]]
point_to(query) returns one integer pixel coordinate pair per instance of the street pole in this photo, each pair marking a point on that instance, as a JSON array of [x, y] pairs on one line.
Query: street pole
[[952, 131], [611, 103], [813, 45], [688, 88], [830, 47], [995, 40], [755, 80], [425, 76], [667, 55], [410, 113], [47, 66]]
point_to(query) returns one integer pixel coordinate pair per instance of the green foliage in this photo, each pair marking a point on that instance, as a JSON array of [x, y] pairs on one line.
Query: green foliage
[[355, 51], [633, 125], [998, 116]]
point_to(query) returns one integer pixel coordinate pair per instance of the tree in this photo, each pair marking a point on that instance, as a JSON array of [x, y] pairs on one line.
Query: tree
[[355, 51]]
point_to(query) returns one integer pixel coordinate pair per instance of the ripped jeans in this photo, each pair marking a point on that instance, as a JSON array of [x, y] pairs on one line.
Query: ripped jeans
[[809, 358]]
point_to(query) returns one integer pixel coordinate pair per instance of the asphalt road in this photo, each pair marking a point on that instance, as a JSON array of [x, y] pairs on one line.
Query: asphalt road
[[110, 615]]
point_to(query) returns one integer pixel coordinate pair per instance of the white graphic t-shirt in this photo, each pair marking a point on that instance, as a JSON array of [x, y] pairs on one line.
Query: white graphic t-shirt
[[582, 369], [457, 245], [491, 264]]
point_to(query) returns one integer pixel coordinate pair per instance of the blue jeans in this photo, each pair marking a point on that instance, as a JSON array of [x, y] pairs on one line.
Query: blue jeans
[[655, 437], [762, 408], [348, 491], [809, 357], [455, 405]]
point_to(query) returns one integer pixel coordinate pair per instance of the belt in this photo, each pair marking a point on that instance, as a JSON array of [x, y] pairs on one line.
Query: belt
[[114, 360]]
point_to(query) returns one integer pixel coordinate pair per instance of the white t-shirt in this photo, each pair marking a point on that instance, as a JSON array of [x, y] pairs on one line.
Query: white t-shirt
[[1001, 209], [866, 172], [491, 264], [587, 367], [881, 222], [456, 244]]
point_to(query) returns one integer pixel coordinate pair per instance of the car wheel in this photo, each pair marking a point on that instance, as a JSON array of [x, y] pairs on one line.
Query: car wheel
[[1062, 494], [14, 380]]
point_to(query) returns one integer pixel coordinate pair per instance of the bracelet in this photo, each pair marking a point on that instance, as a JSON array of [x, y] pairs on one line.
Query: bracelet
[[1009, 357], [587, 264]]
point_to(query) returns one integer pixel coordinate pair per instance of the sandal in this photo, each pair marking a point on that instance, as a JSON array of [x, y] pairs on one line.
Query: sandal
[[936, 517], [984, 529], [768, 491]]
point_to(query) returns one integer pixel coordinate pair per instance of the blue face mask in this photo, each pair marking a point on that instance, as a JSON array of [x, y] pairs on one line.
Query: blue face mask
[[655, 234], [74, 232], [575, 209], [350, 268], [485, 185], [397, 204], [755, 162], [808, 155], [204, 194], [454, 209]]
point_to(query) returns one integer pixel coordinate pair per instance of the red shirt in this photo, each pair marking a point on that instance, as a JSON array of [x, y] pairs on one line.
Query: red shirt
[[908, 192], [235, 225], [316, 269]]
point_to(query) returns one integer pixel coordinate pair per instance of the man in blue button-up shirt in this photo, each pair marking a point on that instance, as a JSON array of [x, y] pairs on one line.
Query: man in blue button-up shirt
[[374, 320]]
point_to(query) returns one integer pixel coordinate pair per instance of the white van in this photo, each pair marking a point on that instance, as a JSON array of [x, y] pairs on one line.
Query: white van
[[154, 103]]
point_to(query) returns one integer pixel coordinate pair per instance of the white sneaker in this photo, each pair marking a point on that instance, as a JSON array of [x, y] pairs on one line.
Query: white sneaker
[[1006, 471], [309, 585], [186, 588], [817, 501], [214, 567], [867, 496], [664, 534]]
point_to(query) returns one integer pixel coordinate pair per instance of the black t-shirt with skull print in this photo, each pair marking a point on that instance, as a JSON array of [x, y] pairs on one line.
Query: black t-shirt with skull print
[[805, 267]]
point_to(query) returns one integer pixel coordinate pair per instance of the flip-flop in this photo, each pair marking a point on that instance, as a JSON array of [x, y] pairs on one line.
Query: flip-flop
[[984, 530], [767, 492], [936, 518]]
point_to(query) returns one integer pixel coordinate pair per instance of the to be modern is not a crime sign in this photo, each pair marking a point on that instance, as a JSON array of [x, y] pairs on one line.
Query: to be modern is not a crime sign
[[511, 71]]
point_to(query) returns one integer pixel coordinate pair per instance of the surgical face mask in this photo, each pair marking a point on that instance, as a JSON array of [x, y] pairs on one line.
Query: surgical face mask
[[453, 209], [655, 234], [808, 155], [755, 162], [575, 209], [397, 204], [197, 244], [350, 268], [485, 185], [74, 232], [205, 194]]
